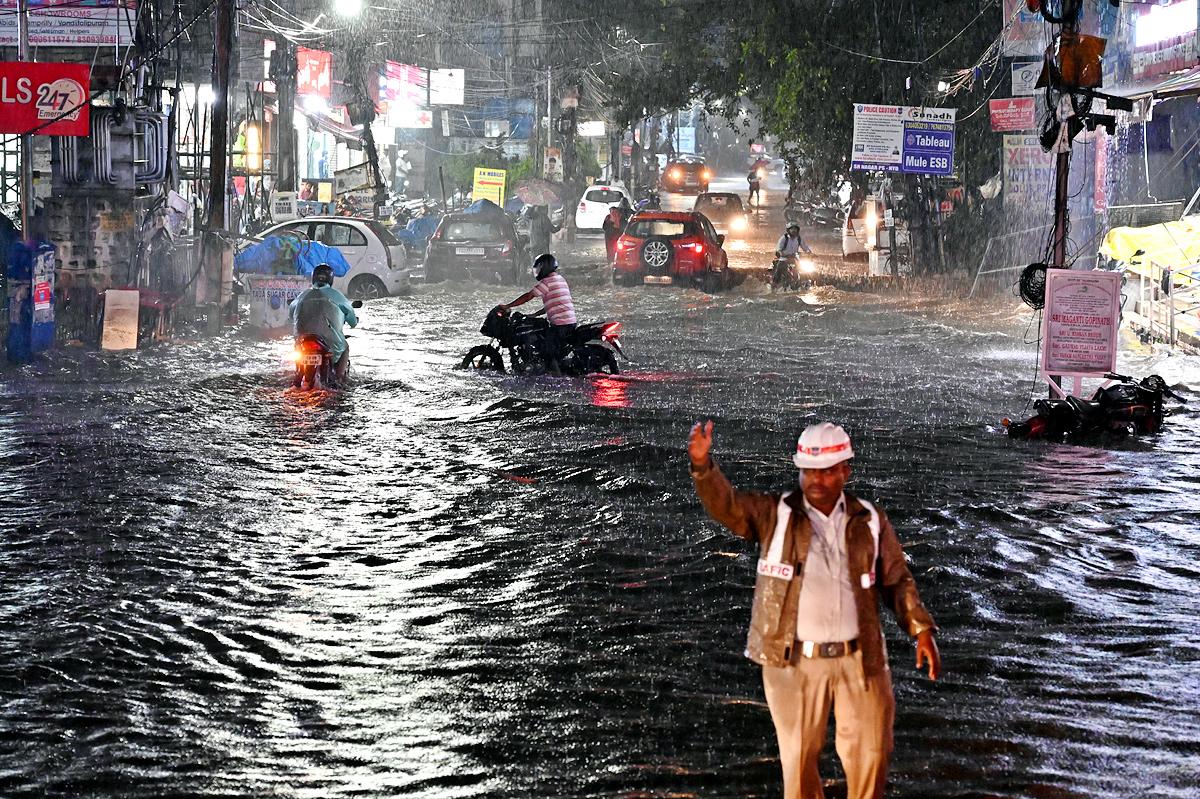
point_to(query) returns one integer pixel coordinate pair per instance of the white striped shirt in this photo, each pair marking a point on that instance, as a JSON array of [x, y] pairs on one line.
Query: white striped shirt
[[556, 296]]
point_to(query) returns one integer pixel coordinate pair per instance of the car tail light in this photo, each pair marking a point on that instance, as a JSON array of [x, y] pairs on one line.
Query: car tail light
[[624, 244], [698, 246], [582, 206]]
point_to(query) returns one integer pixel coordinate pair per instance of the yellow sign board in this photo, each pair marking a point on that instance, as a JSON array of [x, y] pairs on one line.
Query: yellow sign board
[[489, 185]]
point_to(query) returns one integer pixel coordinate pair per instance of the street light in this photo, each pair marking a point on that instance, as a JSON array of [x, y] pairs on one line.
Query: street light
[[347, 8]]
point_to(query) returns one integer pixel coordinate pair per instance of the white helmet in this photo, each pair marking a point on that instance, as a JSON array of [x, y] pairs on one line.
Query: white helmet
[[822, 445]]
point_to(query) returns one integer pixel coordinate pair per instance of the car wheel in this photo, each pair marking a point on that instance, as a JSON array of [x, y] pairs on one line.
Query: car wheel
[[657, 253], [366, 287]]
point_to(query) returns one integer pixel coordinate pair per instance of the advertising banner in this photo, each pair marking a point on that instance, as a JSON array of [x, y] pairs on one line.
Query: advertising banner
[[313, 73], [405, 83], [1025, 31], [901, 138], [1015, 113], [71, 23], [489, 185], [1100, 188], [552, 166], [447, 86], [33, 95], [1165, 38], [1081, 320], [1028, 174]]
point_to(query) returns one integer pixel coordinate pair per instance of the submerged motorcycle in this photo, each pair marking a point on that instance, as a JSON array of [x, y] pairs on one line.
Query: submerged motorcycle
[[792, 272], [589, 349], [1127, 406], [315, 368]]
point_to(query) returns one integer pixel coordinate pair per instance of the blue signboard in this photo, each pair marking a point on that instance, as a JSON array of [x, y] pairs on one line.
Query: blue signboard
[[894, 138]]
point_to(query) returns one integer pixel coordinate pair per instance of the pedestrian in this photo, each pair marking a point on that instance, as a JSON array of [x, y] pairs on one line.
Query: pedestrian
[[753, 179], [826, 558], [540, 229], [613, 227]]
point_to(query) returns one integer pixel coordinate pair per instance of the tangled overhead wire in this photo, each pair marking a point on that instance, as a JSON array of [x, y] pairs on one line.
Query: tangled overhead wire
[[1032, 286]]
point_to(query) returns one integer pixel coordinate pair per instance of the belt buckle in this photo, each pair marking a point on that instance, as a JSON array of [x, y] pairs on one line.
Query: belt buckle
[[833, 650]]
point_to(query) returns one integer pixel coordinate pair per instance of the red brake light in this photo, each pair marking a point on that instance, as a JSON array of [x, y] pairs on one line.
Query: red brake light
[[698, 246], [582, 205], [611, 327], [310, 345]]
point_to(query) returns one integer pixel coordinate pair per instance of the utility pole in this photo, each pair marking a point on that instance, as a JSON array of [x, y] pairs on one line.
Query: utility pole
[[285, 127], [549, 121], [26, 180], [218, 260]]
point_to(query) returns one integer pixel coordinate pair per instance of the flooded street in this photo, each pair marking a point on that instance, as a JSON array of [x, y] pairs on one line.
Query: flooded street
[[444, 584]]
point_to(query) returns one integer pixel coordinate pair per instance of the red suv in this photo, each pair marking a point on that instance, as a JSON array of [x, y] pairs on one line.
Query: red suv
[[665, 247]]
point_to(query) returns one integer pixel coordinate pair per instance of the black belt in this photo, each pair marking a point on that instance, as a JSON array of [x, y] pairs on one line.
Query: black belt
[[810, 649]]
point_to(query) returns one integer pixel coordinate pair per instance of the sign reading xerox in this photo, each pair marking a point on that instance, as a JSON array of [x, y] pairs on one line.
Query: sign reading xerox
[[902, 138]]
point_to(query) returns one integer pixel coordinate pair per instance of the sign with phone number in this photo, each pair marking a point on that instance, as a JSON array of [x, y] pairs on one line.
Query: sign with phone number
[[54, 95], [901, 138]]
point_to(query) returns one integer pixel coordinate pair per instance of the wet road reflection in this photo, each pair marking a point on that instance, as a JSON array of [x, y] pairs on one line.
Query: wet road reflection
[[443, 584]]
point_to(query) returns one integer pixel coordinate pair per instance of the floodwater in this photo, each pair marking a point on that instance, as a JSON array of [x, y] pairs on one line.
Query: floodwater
[[440, 584]]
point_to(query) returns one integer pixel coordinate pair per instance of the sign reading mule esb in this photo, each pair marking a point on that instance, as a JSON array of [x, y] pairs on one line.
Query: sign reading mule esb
[[32, 95]]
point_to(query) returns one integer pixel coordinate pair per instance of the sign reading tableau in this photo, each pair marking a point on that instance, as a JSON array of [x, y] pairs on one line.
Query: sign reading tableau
[[902, 138]]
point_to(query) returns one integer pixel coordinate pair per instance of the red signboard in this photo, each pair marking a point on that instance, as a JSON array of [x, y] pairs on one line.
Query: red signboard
[[53, 95], [406, 83], [313, 72], [1016, 113]]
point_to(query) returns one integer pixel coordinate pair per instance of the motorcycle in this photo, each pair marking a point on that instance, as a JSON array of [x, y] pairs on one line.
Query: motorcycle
[[527, 339], [787, 273], [314, 362], [1127, 406]]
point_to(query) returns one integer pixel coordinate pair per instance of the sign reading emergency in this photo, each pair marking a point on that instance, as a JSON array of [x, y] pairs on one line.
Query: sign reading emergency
[[1015, 113], [51, 95], [1081, 320], [901, 138], [489, 185]]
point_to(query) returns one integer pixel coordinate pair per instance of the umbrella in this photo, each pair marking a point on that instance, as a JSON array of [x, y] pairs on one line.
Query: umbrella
[[534, 191]]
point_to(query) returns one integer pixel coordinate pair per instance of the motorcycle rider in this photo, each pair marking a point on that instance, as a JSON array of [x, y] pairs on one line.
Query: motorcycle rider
[[555, 294], [791, 242], [321, 311]]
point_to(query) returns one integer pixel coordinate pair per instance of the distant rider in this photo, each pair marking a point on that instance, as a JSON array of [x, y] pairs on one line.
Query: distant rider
[[791, 242], [555, 295], [321, 311]]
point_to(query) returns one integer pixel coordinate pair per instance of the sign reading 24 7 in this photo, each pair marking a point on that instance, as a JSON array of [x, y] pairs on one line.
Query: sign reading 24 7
[[45, 99]]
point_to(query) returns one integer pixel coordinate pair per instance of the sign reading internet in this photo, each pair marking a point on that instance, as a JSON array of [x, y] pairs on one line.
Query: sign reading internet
[[902, 138]]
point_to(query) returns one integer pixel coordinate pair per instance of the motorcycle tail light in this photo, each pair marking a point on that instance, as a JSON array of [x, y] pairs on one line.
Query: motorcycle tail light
[[310, 345], [611, 328]]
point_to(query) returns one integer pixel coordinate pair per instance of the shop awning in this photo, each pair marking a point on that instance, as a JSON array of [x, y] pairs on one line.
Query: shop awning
[[1161, 88], [324, 124]]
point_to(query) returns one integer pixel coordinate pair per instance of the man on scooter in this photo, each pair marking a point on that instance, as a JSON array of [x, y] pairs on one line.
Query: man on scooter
[[321, 311], [555, 295], [791, 242]]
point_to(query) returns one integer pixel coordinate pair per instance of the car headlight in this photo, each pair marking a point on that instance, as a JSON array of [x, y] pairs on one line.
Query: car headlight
[[738, 223]]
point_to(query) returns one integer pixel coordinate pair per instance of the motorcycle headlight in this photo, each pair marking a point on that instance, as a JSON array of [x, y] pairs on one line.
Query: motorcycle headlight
[[807, 265]]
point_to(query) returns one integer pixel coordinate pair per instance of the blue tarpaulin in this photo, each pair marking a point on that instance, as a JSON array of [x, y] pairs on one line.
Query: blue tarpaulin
[[418, 230], [483, 207], [269, 255]]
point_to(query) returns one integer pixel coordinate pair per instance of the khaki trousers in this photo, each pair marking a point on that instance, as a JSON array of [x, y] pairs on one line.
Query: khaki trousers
[[800, 698]]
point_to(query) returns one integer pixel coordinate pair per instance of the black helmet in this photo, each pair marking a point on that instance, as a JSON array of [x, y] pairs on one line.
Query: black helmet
[[322, 275], [545, 265]]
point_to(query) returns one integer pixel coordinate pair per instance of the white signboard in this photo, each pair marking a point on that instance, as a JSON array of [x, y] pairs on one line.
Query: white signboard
[[1024, 76], [270, 296], [284, 206], [685, 139], [1081, 320], [1028, 174], [591, 129], [447, 86], [62, 23]]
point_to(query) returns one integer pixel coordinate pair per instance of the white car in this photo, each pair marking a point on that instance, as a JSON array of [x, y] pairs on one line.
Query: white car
[[596, 201], [378, 266]]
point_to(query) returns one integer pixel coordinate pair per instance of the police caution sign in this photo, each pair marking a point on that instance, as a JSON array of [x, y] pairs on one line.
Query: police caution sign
[[44, 99]]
